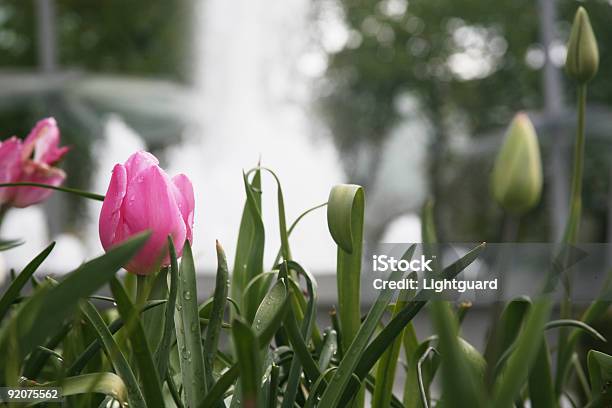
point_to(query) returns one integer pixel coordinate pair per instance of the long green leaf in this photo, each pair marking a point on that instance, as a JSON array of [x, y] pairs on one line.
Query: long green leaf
[[90, 351], [385, 371], [600, 374], [188, 332], [541, 386], [247, 355], [213, 329], [345, 213], [142, 353], [47, 309], [305, 332], [115, 355], [19, 282], [5, 245], [248, 261], [516, 370], [275, 308], [162, 354], [333, 393], [102, 383], [387, 335]]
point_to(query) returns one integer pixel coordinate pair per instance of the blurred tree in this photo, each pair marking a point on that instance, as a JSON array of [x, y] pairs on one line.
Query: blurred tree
[[471, 65]]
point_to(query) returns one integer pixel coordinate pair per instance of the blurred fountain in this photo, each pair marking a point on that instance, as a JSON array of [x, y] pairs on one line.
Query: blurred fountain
[[255, 105]]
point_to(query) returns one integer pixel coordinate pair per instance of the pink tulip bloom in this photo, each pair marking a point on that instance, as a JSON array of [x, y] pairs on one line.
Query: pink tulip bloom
[[142, 197], [31, 161]]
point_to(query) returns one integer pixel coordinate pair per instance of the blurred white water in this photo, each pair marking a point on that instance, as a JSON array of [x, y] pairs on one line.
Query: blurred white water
[[255, 104]]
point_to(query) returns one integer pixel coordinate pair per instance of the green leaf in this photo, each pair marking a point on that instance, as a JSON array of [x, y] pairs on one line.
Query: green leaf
[[81, 193], [282, 219], [459, 382], [388, 334], [247, 355], [19, 282], [102, 383], [146, 367], [600, 374], [49, 307], [578, 324], [385, 371], [5, 245], [213, 329], [248, 262], [333, 393], [308, 321], [345, 218], [541, 386], [329, 348], [515, 372], [188, 332], [120, 364], [294, 224], [275, 306], [90, 351], [162, 354]]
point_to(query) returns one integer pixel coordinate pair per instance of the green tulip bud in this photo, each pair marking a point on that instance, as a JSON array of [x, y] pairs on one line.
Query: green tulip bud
[[582, 54], [517, 174]]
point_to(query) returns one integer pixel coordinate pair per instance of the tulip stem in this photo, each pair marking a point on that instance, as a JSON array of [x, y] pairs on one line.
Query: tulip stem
[[3, 210], [571, 233], [573, 224], [141, 290]]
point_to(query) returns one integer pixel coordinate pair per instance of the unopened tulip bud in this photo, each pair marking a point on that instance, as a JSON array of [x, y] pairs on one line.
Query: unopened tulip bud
[[582, 54], [141, 197], [517, 174]]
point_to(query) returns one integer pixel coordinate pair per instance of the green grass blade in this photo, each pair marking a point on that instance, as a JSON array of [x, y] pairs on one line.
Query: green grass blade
[[345, 213], [90, 351], [102, 383], [188, 332], [460, 383], [282, 219], [600, 374], [273, 310], [249, 362], [213, 329], [120, 364], [48, 308], [74, 191], [308, 321], [516, 369], [5, 245], [147, 371], [19, 282], [248, 261], [333, 393], [328, 349], [294, 224], [541, 385], [162, 354], [388, 334], [385, 371]]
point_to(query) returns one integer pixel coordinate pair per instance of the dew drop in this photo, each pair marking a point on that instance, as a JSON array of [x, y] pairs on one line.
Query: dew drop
[[187, 295]]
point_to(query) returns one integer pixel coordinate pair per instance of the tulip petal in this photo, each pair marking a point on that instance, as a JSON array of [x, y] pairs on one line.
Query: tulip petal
[[34, 172], [111, 232], [138, 162], [42, 143], [150, 204], [183, 193], [10, 160]]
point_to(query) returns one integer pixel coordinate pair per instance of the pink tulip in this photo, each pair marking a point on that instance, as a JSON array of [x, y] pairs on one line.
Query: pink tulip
[[31, 161], [142, 197]]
